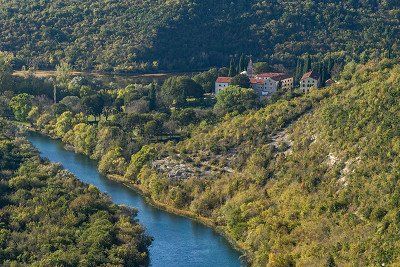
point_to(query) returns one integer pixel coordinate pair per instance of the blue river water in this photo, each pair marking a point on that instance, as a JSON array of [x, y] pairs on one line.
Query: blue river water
[[178, 241]]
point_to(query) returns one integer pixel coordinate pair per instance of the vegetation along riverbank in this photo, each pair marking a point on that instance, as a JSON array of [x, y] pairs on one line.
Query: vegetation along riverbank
[[60, 220], [275, 123], [288, 179]]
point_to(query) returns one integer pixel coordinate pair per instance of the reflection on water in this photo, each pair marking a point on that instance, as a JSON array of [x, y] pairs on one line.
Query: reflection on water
[[178, 241]]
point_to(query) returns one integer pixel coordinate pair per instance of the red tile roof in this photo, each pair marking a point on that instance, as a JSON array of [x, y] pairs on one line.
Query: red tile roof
[[256, 81], [224, 79], [281, 77], [330, 82], [310, 74], [269, 74]]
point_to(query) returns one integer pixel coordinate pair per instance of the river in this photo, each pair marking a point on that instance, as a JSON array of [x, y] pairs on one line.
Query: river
[[178, 241]]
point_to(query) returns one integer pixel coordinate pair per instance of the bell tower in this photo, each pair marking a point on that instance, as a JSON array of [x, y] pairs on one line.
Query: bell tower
[[250, 69]]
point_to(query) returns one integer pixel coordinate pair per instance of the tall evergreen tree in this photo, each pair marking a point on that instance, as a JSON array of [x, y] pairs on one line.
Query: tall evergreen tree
[[307, 64], [232, 71], [329, 67], [322, 74], [241, 63], [153, 97], [246, 61], [299, 71]]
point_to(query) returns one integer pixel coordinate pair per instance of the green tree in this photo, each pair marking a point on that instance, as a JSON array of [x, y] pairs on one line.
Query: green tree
[[176, 90], [113, 162], [261, 67], [241, 80], [107, 137], [63, 73], [207, 80], [73, 103], [242, 63], [21, 105], [184, 117], [232, 71], [93, 104], [138, 160], [307, 64], [323, 72], [224, 71], [5, 110], [330, 262], [152, 128], [236, 99], [83, 137], [66, 223], [299, 71], [5, 70], [152, 97], [64, 123]]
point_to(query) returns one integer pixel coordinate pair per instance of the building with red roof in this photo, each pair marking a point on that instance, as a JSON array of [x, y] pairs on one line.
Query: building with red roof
[[273, 81], [221, 83], [309, 80], [224, 80], [265, 84]]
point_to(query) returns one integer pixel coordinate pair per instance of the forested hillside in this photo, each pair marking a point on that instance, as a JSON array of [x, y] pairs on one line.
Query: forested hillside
[[193, 34], [49, 218], [308, 179], [312, 181]]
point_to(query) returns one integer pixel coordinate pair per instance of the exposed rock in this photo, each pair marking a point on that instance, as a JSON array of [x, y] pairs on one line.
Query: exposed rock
[[332, 159]]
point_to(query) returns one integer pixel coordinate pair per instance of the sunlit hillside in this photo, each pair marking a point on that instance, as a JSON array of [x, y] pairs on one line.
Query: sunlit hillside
[[312, 180]]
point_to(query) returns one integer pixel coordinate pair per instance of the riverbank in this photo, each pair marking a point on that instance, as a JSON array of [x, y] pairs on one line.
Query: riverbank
[[203, 220], [246, 256], [55, 222]]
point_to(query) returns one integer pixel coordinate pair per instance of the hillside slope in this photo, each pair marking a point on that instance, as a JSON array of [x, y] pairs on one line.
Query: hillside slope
[[312, 181], [49, 218], [191, 34]]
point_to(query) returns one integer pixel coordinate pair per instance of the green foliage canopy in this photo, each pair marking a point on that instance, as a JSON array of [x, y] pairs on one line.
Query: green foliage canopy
[[148, 35], [49, 218], [235, 99], [21, 105]]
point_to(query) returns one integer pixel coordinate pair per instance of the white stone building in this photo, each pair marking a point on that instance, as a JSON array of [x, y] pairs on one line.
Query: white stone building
[[265, 84], [287, 83], [308, 81], [221, 83]]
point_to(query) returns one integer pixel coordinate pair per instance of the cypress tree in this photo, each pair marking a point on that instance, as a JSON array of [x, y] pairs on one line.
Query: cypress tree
[[232, 68], [299, 72], [307, 64], [389, 52], [153, 97], [241, 62], [246, 61], [329, 67], [323, 74]]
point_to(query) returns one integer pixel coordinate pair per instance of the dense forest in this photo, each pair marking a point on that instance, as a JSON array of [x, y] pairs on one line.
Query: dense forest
[[310, 181], [315, 190], [49, 218], [193, 34], [298, 179]]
